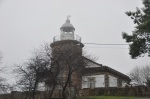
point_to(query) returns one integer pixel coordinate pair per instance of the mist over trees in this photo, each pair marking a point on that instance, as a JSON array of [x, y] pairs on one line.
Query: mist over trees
[[2, 80], [4, 86], [139, 41], [1, 56], [140, 75]]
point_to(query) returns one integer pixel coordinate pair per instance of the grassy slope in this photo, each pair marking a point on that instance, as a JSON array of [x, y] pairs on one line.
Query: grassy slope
[[110, 97]]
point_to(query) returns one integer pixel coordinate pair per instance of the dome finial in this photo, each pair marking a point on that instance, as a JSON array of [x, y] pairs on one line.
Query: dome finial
[[68, 20], [68, 17], [67, 25]]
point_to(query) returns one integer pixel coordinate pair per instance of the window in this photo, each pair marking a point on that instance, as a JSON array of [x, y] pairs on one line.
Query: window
[[91, 82]]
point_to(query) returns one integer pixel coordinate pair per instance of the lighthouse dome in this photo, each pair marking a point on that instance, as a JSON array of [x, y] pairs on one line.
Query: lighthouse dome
[[67, 26]]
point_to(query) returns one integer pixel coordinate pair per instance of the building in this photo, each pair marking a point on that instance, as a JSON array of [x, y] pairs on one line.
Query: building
[[96, 75]]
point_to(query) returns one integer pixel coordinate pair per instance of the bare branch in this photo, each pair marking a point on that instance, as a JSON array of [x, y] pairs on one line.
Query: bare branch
[[1, 55], [140, 75]]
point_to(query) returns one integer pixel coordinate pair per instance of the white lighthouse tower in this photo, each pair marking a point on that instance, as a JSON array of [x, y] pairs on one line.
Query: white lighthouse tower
[[67, 31]]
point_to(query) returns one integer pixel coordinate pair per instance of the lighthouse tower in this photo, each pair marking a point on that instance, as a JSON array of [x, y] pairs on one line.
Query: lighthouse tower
[[67, 31], [68, 43]]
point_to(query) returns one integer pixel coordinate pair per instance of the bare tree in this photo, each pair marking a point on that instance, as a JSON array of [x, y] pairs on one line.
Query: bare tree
[[41, 68], [33, 71], [71, 62], [1, 56], [141, 75], [4, 86], [25, 79], [2, 80], [66, 68], [146, 75], [61, 67]]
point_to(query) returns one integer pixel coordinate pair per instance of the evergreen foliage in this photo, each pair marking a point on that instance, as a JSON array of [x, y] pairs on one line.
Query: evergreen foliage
[[140, 39]]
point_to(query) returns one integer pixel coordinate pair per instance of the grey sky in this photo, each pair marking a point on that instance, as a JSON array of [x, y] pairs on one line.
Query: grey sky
[[26, 24]]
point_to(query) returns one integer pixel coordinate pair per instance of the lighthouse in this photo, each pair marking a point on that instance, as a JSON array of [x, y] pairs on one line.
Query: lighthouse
[[67, 54]]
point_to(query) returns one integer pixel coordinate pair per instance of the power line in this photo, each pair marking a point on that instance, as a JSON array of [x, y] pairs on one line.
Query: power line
[[108, 47], [104, 44]]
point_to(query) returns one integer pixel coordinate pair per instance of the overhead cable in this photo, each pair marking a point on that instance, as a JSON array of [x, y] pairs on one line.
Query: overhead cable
[[104, 44]]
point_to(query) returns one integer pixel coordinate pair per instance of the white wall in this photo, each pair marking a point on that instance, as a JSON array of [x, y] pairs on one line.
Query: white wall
[[84, 82], [67, 36], [112, 81], [124, 83], [99, 81]]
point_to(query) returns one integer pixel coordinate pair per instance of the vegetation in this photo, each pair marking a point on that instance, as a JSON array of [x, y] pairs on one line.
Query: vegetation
[[140, 75], [1, 56], [140, 39], [55, 69], [4, 86], [110, 97], [32, 73]]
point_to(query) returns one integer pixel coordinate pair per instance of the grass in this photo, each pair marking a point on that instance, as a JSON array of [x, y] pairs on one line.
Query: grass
[[108, 97]]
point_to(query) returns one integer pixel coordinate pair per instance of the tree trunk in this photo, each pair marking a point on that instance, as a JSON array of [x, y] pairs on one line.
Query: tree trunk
[[35, 85], [64, 87], [29, 93], [51, 92]]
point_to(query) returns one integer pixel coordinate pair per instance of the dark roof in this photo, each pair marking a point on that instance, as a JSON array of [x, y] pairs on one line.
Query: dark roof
[[102, 68], [92, 61], [67, 24]]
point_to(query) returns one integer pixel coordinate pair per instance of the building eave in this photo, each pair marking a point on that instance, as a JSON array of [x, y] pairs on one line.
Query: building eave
[[104, 69]]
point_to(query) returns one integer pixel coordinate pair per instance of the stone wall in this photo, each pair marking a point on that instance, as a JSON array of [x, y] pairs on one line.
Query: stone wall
[[127, 91], [23, 95], [5, 96], [57, 94]]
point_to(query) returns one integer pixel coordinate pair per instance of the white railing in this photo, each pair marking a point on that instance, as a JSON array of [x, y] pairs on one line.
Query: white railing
[[58, 38]]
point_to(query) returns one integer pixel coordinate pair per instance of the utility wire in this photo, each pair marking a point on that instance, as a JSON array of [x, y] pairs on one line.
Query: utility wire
[[108, 47], [104, 44]]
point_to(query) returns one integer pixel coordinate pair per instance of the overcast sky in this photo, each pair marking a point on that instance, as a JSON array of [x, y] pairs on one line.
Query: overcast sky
[[27, 24]]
